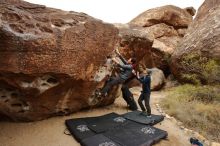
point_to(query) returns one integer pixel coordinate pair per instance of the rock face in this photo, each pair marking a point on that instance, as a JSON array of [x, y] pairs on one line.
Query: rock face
[[152, 37], [51, 61], [166, 25], [157, 78], [198, 55], [207, 7], [134, 42], [169, 15]]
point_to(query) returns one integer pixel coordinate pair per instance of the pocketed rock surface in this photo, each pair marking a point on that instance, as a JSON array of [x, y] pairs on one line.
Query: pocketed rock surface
[[52, 61]]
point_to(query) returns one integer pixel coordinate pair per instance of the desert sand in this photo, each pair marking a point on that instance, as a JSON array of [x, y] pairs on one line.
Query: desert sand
[[50, 132]]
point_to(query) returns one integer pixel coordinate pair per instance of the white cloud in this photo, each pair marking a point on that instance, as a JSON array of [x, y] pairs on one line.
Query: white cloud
[[114, 11]]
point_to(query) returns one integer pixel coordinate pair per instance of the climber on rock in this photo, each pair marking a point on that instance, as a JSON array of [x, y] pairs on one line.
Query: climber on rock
[[125, 73], [145, 80]]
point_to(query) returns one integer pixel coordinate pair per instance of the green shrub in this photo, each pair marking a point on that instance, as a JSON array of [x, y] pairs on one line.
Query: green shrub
[[198, 107], [200, 69], [192, 78]]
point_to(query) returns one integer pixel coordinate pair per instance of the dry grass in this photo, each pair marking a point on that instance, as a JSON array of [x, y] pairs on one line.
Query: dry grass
[[198, 107]]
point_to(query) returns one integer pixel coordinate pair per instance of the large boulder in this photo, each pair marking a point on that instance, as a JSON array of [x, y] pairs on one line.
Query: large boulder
[[170, 15], [207, 7], [197, 59], [157, 79], [52, 61], [153, 36], [134, 42], [166, 25]]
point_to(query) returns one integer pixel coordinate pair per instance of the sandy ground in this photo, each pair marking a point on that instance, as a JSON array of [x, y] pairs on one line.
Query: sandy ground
[[50, 132]]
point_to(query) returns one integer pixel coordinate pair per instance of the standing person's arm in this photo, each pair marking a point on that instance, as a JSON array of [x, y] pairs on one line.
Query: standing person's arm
[[138, 76], [120, 56], [141, 79]]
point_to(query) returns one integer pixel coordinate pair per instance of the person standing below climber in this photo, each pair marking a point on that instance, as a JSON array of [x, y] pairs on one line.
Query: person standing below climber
[[125, 73], [145, 93]]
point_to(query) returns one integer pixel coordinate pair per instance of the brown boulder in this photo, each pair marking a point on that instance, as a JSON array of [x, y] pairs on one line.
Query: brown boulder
[[207, 7], [139, 42], [167, 25], [160, 30], [134, 42], [198, 55], [52, 61], [170, 15], [157, 79], [154, 36]]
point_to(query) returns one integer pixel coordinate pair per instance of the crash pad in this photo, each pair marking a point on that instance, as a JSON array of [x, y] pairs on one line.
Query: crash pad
[[134, 134], [139, 117], [98, 140], [105, 122], [79, 129]]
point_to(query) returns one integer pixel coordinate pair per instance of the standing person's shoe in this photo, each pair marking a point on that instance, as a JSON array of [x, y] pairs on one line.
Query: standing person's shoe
[[149, 115], [144, 113]]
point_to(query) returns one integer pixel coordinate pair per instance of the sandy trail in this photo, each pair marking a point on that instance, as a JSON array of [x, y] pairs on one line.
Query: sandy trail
[[50, 132]]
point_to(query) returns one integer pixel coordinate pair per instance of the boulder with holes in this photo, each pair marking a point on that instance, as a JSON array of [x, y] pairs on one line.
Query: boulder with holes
[[52, 61]]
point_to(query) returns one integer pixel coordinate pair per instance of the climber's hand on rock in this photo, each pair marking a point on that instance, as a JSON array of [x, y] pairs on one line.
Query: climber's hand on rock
[[134, 72], [115, 60], [117, 51]]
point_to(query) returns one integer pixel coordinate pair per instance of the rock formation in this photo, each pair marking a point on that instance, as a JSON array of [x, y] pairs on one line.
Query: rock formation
[[206, 7], [164, 27], [134, 42], [51, 61], [157, 79], [170, 15], [198, 55]]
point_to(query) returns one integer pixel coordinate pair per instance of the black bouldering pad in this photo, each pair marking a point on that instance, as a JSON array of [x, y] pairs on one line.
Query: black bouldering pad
[[79, 129], [99, 140], [105, 122], [134, 134], [113, 130], [138, 117]]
